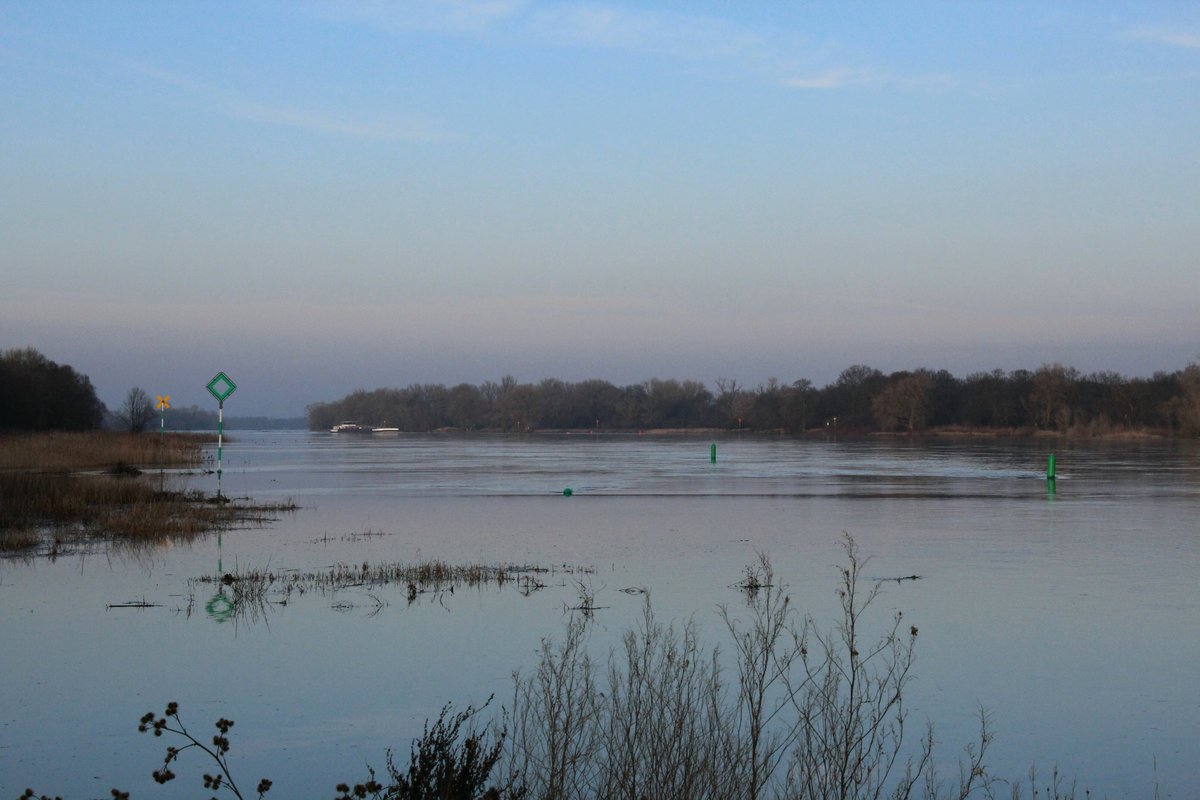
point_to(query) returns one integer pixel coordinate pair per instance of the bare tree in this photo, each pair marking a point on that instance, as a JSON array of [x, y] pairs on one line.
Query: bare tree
[[1051, 403], [905, 403], [136, 410]]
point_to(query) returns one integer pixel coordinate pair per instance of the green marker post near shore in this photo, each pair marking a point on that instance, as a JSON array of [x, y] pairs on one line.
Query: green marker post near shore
[[220, 387]]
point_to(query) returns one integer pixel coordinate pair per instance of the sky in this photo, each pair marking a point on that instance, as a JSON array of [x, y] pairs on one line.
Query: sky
[[317, 197]]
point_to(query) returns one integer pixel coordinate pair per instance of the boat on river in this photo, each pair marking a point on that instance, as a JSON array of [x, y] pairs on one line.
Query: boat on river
[[350, 427]]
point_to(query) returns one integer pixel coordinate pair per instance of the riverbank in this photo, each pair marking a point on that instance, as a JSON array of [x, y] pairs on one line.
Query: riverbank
[[961, 432], [944, 432], [60, 490]]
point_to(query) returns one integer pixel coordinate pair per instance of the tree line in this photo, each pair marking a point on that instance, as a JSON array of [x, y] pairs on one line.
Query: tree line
[[862, 399], [37, 394]]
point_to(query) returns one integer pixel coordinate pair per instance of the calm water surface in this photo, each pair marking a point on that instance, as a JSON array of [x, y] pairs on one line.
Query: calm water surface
[[1072, 616]]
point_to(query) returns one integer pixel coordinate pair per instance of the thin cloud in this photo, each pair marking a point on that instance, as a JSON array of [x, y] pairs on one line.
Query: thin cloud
[[771, 53], [847, 78], [411, 128], [1170, 36], [832, 79], [679, 35], [405, 130], [469, 17]]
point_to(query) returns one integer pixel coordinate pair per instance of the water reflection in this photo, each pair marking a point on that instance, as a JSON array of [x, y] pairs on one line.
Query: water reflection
[[220, 608], [1034, 602]]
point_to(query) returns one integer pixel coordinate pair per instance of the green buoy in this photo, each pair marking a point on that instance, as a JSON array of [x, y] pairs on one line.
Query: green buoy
[[567, 492], [712, 453]]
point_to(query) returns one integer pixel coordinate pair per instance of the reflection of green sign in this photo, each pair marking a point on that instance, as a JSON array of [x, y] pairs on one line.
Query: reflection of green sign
[[221, 387], [220, 608]]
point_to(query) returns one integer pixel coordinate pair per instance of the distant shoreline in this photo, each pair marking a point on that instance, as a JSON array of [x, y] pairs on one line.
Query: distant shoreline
[[946, 432]]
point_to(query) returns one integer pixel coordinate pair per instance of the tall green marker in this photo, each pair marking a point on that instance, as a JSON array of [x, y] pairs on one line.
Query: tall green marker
[[712, 453], [220, 387]]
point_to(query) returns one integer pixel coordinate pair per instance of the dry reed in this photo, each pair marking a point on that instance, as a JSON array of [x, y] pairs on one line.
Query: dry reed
[[71, 486], [65, 451]]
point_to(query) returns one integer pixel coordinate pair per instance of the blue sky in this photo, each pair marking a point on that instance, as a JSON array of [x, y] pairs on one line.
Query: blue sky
[[317, 197]]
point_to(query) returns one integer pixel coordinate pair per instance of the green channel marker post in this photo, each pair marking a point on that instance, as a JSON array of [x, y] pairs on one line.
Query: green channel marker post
[[1050, 468], [712, 453], [220, 387]]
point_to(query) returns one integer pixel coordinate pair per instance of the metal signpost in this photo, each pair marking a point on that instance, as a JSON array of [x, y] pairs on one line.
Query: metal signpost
[[220, 387]]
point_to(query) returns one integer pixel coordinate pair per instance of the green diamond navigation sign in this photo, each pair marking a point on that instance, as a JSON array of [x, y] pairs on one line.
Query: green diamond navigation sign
[[221, 387]]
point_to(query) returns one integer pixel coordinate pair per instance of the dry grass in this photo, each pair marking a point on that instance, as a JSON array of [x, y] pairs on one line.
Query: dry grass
[[67, 506], [74, 486], [72, 452], [17, 541]]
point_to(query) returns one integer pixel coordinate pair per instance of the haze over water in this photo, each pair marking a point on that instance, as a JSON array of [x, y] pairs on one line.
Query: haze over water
[[320, 196], [1069, 615]]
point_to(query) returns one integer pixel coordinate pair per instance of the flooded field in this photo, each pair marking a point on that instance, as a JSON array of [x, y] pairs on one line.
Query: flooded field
[[1069, 614]]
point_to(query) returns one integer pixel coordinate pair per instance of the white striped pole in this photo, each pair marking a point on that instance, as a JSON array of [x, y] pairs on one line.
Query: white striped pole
[[220, 436]]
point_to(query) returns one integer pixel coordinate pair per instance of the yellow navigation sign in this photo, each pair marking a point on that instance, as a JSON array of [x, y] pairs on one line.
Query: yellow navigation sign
[[164, 402]]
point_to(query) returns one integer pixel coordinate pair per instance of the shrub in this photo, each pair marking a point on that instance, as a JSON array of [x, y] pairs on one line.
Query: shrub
[[808, 714]]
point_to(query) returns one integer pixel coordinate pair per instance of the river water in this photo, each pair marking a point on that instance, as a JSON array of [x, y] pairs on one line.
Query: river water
[[1070, 615]]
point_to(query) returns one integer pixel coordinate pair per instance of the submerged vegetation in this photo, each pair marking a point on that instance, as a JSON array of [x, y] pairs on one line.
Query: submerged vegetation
[[247, 593], [792, 710], [57, 489], [862, 399]]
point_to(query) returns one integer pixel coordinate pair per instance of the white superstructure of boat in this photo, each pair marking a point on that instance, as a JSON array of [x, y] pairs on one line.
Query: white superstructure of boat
[[350, 427]]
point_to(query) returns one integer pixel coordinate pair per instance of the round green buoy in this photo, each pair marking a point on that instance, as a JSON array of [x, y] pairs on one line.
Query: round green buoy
[[567, 492]]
